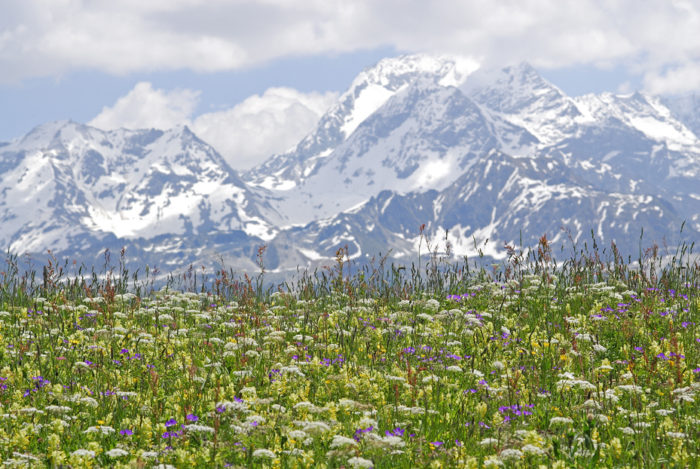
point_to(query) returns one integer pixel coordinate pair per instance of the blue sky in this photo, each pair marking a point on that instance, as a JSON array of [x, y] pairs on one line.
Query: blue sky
[[259, 64], [81, 95]]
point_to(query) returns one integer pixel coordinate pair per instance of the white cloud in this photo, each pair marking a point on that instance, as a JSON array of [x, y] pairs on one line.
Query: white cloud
[[681, 79], [263, 125], [245, 134], [124, 36], [144, 107]]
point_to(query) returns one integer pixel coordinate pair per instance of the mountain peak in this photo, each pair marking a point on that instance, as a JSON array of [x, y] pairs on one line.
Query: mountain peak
[[449, 70], [45, 135], [518, 79], [376, 84], [522, 96]]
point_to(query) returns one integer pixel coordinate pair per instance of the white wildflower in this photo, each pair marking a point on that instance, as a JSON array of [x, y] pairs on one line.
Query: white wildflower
[[104, 430], [358, 462], [294, 452], [611, 396], [249, 392], [198, 428], [632, 388], [532, 449], [488, 442], [297, 435], [116, 453], [493, 461], [576, 383], [89, 401], [255, 418], [340, 441], [510, 454], [306, 405], [83, 453], [264, 453], [393, 378], [683, 398], [278, 408], [591, 404], [303, 338], [393, 441], [30, 410], [238, 406], [315, 428], [25, 456], [561, 421], [367, 421]]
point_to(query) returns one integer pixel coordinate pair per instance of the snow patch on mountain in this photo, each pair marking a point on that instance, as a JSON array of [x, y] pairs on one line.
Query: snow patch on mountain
[[644, 113], [522, 97]]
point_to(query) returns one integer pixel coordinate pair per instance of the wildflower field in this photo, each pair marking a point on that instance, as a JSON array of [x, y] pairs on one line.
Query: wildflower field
[[586, 363]]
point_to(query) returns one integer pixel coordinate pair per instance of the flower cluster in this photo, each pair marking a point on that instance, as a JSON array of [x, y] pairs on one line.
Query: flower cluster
[[534, 372]]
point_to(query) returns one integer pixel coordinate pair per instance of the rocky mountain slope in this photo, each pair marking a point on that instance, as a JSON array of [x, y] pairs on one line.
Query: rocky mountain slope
[[481, 158]]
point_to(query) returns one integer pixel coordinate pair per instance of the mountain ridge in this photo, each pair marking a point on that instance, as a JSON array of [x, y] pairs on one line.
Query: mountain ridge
[[477, 157]]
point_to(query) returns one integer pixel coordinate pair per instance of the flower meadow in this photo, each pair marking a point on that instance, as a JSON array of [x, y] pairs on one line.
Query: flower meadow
[[584, 364]]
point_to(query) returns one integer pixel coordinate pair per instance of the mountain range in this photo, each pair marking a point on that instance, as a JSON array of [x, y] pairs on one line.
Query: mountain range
[[478, 158]]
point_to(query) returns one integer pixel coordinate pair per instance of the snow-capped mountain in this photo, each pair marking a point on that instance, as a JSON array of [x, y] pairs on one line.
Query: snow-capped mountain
[[421, 138], [481, 158], [566, 166], [367, 93], [498, 199], [67, 186]]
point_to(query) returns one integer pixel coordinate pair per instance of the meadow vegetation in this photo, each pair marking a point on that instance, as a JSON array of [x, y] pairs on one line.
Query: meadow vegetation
[[593, 361]]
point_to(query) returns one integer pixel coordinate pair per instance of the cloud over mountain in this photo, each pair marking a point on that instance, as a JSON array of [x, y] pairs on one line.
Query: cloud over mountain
[[145, 107], [262, 125], [244, 134]]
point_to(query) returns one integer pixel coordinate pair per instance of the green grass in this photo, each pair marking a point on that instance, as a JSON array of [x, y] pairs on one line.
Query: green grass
[[586, 363]]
